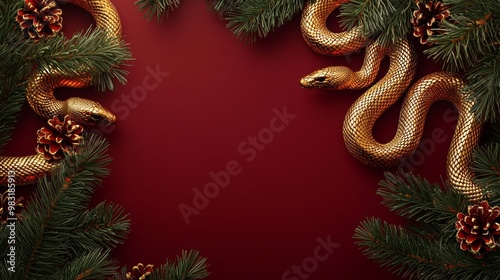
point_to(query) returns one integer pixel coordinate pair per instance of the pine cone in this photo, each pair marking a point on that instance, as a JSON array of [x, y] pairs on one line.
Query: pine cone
[[140, 272], [427, 17], [59, 138], [15, 207], [39, 18], [479, 231]]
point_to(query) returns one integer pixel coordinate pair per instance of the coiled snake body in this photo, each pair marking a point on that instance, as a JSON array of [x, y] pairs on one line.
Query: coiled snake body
[[362, 115], [40, 96]]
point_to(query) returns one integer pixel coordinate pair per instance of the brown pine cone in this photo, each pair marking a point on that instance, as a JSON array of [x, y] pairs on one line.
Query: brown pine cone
[[427, 17], [59, 138], [39, 18], [479, 229]]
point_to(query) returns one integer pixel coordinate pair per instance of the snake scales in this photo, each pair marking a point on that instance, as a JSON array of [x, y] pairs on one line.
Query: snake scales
[[40, 96], [362, 115]]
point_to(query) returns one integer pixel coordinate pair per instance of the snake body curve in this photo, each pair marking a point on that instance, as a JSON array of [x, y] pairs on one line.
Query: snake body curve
[[361, 117], [40, 95]]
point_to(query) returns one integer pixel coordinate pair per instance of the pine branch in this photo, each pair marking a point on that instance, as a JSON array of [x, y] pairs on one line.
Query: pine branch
[[12, 94], [8, 11], [415, 198], [416, 257], [391, 247], [156, 9], [389, 20], [189, 266], [257, 18], [95, 264], [104, 226], [98, 55], [12, 70], [222, 7], [460, 45], [484, 83], [486, 166], [471, 32], [44, 245]]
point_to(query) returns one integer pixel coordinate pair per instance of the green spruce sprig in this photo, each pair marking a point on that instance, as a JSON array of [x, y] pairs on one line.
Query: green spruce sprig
[[417, 257], [222, 7], [405, 196], [249, 20], [12, 95], [388, 20], [12, 70], [470, 42], [189, 266], [49, 238], [156, 9], [426, 247], [90, 52]]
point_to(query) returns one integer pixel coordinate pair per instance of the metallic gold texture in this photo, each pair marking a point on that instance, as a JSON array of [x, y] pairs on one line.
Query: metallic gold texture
[[40, 96], [365, 111]]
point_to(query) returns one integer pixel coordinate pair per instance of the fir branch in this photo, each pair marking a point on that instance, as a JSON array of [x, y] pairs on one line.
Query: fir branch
[[156, 9], [460, 44], [471, 32], [415, 198], [12, 95], [57, 202], [13, 70], [389, 20], [484, 84], [8, 11], [416, 257], [100, 56], [104, 226], [222, 7], [95, 264], [391, 247], [189, 266], [486, 166], [257, 18]]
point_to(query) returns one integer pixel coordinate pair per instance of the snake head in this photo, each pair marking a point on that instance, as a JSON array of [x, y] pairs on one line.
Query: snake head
[[334, 77], [88, 112]]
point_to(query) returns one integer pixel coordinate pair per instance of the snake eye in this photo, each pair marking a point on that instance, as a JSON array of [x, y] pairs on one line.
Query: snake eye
[[320, 79], [95, 117]]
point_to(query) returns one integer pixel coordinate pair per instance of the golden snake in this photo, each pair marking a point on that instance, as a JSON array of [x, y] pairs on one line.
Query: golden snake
[[40, 96], [362, 115]]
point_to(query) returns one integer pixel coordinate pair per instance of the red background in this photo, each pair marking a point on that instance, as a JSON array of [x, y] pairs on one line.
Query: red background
[[304, 185]]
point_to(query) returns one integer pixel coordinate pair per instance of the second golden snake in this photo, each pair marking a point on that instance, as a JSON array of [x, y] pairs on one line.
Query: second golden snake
[[362, 115]]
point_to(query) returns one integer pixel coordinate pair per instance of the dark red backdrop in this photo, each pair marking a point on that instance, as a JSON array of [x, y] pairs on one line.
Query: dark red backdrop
[[301, 187]]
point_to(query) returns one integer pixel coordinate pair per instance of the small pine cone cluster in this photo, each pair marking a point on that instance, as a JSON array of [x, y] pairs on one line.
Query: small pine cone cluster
[[428, 17], [39, 18], [479, 229], [61, 137], [140, 272]]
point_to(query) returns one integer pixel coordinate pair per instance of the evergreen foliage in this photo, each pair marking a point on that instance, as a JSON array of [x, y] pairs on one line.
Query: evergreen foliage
[[49, 240], [189, 266], [60, 236], [426, 248], [156, 9], [253, 19], [387, 19]]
